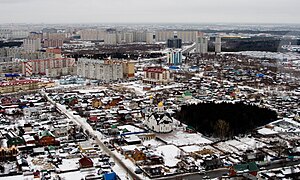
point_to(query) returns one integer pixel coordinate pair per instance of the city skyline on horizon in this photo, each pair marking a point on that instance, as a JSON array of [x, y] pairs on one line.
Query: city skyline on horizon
[[135, 11]]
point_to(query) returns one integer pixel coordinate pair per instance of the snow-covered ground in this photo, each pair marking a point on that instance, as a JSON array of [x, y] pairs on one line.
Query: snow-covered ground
[[252, 143], [227, 148], [169, 152], [131, 128], [272, 55], [181, 138], [153, 143]]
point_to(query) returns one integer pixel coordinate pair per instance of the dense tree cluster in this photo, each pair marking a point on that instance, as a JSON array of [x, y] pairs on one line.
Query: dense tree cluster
[[10, 44], [224, 120]]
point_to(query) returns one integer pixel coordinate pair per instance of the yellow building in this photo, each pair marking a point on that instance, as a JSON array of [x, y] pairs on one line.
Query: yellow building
[[7, 154], [96, 103], [85, 146], [128, 69], [18, 85]]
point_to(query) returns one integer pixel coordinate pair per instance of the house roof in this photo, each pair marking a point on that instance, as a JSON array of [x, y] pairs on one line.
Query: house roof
[[252, 166], [160, 118], [46, 133]]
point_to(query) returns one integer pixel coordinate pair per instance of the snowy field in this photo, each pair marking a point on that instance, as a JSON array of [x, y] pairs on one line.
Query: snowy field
[[181, 138], [169, 152], [271, 55]]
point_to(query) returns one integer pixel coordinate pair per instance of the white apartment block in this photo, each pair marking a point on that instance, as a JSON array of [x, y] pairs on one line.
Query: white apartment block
[[32, 45], [186, 36], [97, 69], [202, 44], [5, 33]]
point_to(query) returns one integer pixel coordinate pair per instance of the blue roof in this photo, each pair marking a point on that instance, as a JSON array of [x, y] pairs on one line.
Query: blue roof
[[174, 67], [12, 75], [110, 176], [260, 75]]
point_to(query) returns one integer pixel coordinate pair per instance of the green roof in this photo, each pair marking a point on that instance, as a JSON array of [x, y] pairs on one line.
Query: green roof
[[187, 93], [46, 133], [113, 126], [252, 166]]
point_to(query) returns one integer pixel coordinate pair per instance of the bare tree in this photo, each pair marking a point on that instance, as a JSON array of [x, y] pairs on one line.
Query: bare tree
[[222, 129], [280, 147]]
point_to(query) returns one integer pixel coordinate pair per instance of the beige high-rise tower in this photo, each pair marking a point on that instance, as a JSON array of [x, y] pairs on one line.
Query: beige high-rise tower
[[218, 44]]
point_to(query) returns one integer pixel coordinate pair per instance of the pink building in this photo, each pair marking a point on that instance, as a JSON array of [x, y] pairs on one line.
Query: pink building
[[41, 66]]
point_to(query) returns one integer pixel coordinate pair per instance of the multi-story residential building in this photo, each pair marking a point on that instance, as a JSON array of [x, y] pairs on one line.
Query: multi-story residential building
[[185, 35], [128, 37], [218, 44], [111, 38], [5, 33], [54, 39], [163, 36], [139, 36], [202, 44], [53, 43], [174, 57], [19, 53], [174, 43], [56, 51], [51, 67], [156, 75], [18, 85], [150, 38], [32, 45], [100, 70], [19, 34], [92, 34], [10, 67], [35, 35], [128, 69]]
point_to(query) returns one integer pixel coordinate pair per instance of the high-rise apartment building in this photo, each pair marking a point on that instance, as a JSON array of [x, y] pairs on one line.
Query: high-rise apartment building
[[46, 66], [185, 35], [139, 36], [218, 44], [174, 43], [100, 70], [174, 57], [32, 45], [201, 44], [5, 33], [128, 37], [92, 34], [150, 38]]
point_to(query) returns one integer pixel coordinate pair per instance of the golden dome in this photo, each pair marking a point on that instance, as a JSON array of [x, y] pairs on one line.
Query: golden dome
[[161, 104]]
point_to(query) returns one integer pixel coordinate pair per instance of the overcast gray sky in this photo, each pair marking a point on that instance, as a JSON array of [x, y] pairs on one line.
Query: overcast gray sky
[[147, 11]]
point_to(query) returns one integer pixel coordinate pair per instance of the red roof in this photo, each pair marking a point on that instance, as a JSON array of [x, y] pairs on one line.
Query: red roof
[[49, 59], [18, 82], [86, 162], [93, 118], [154, 69]]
